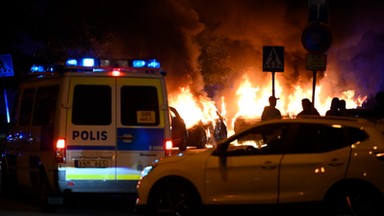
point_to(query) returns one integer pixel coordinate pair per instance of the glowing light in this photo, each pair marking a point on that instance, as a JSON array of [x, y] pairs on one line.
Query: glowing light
[[336, 126], [251, 96], [116, 72], [88, 62]]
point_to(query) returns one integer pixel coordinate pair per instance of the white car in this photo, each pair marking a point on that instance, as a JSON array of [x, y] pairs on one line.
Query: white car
[[335, 162]]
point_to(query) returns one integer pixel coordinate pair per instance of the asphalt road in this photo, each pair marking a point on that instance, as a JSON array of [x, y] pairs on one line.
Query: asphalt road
[[86, 204]]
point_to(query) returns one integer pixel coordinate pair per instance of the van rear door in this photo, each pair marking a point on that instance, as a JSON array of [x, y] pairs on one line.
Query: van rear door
[[141, 109], [91, 134]]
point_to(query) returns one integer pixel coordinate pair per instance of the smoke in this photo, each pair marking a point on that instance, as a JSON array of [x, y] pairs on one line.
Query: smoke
[[177, 31]]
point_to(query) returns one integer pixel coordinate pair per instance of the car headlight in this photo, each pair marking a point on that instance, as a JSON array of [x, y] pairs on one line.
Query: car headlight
[[146, 170]]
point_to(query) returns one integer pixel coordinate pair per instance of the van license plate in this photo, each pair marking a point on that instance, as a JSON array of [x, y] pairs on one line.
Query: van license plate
[[91, 163]]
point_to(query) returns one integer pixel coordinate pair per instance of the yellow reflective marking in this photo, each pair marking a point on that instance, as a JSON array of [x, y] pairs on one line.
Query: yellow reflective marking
[[90, 177], [128, 177], [102, 177]]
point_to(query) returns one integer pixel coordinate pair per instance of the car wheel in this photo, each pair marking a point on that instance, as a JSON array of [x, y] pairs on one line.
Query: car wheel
[[174, 199], [201, 137], [183, 143], [354, 201]]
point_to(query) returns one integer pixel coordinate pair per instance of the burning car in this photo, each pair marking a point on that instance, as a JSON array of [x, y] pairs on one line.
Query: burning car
[[199, 134]]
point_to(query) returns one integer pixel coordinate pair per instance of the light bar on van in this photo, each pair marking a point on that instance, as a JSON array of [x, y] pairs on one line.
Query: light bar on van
[[93, 62], [140, 63], [98, 65], [42, 68], [83, 62]]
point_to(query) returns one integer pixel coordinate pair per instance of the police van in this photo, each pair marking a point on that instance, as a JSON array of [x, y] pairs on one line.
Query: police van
[[91, 125]]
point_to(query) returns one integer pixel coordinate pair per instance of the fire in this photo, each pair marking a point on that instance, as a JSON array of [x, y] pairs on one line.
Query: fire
[[250, 100], [193, 109]]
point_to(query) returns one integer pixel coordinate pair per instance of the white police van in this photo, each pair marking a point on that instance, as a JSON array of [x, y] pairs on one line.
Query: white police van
[[88, 126]]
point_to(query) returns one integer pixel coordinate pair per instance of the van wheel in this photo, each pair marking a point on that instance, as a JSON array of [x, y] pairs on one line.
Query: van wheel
[[45, 192], [174, 199]]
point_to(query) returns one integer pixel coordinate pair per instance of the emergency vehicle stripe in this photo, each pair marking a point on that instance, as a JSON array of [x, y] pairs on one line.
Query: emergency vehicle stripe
[[128, 177], [143, 138], [79, 176]]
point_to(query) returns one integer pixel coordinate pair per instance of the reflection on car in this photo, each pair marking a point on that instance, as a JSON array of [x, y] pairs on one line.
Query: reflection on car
[[336, 163]]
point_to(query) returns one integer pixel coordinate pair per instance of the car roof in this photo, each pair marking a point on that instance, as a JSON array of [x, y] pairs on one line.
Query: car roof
[[347, 121]]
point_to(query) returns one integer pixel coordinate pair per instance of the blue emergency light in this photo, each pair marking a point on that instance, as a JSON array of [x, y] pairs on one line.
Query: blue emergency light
[[93, 62], [42, 68], [97, 65], [82, 62]]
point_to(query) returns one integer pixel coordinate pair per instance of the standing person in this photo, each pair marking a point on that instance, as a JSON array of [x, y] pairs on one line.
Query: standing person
[[308, 108], [334, 108], [343, 107], [379, 109], [271, 112]]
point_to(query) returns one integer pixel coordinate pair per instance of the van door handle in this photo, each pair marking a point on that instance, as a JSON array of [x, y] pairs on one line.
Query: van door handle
[[127, 138]]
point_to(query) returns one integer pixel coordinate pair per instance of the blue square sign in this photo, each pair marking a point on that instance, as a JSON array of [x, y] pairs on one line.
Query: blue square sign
[[273, 58], [6, 66]]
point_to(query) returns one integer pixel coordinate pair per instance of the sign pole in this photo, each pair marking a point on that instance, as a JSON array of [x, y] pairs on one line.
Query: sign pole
[[314, 87], [273, 83]]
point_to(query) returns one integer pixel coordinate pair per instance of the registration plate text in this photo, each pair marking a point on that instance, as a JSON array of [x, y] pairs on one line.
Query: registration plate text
[[91, 163]]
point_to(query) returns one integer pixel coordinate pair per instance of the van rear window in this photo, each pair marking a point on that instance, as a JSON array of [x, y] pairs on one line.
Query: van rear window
[[139, 105], [92, 105]]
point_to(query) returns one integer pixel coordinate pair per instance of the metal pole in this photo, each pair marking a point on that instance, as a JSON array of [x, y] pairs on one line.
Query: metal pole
[[273, 83], [314, 87]]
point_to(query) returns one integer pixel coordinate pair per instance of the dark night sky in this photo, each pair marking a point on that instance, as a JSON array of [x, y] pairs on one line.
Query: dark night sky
[[179, 32]]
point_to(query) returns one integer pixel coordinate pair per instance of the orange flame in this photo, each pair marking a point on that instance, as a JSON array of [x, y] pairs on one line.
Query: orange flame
[[251, 100], [193, 109]]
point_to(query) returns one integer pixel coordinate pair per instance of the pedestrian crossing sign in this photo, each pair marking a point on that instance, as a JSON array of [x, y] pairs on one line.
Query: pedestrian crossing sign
[[6, 66], [273, 58]]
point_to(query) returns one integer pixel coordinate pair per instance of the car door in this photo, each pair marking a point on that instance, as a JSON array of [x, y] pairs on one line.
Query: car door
[[317, 157], [246, 171]]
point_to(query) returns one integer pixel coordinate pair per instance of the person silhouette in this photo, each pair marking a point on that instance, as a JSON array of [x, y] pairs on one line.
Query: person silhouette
[[343, 107], [334, 108], [379, 109], [271, 112], [308, 108]]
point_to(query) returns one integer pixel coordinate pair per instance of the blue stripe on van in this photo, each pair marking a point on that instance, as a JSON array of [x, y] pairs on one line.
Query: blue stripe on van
[[143, 138]]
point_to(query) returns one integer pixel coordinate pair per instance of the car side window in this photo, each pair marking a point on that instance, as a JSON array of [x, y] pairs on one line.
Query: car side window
[[356, 135], [316, 138], [267, 139]]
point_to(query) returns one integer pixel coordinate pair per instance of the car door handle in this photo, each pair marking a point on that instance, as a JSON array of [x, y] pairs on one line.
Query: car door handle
[[127, 138], [268, 165], [335, 163]]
